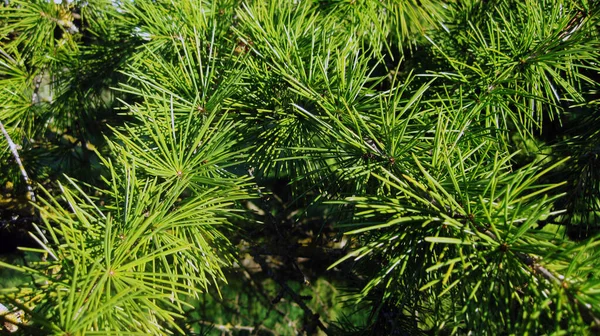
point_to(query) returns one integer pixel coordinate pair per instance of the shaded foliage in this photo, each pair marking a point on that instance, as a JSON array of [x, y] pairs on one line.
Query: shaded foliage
[[354, 167]]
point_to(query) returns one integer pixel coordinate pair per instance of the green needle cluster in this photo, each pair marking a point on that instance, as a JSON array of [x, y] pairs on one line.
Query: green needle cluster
[[454, 144]]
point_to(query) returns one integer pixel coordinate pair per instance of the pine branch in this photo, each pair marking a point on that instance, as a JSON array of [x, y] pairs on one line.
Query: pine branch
[[312, 319], [229, 328], [7, 55], [556, 279], [15, 153], [35, 97]]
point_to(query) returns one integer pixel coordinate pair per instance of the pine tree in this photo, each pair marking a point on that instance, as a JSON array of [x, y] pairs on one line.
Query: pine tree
[[152, 149]]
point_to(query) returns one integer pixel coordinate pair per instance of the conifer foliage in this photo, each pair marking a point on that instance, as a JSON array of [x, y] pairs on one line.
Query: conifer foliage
[[150, 148]]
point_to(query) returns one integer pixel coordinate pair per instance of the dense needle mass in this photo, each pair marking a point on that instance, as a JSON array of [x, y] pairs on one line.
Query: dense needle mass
[[364, 167]]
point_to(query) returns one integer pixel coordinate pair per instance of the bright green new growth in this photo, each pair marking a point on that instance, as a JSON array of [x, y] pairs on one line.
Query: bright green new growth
[[454, 143]]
